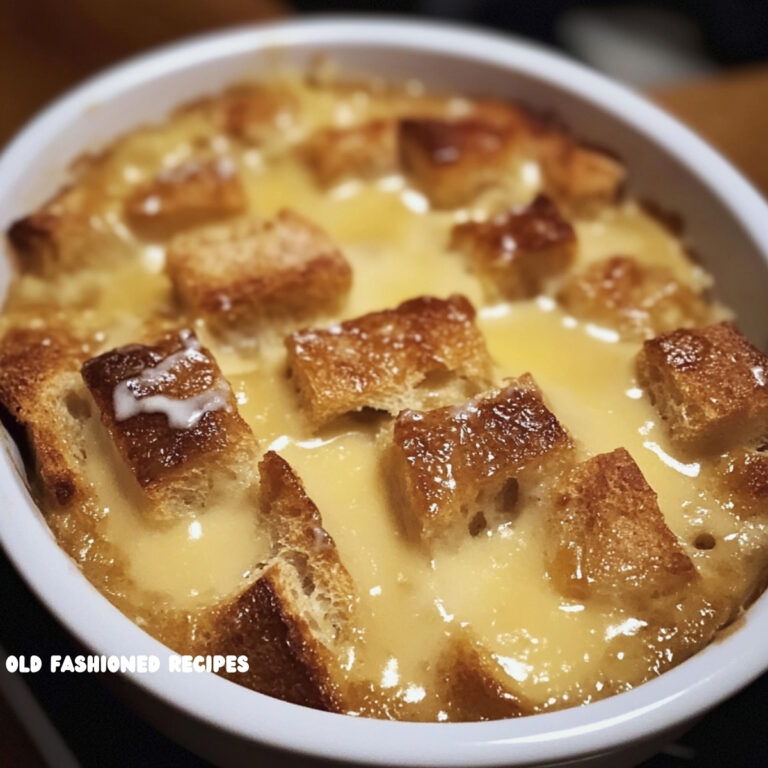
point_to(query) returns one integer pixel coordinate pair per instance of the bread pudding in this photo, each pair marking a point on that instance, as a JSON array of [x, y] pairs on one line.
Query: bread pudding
[[401, 396]]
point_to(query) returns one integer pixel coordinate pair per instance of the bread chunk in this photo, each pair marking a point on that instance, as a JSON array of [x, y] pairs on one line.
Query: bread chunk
[[608, 535], [453, 160], [59, 239], [517, 252], [576, 175], [457, 469], [173, 419], [709, 384], [238, 276], [637, 300], [41, 391], [361, 151], [381, 359], [745, 477], [474, 685], [193, 193], [293, 622], [252, 114]]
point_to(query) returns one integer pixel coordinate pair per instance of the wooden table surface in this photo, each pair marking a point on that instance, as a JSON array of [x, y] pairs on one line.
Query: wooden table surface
[[46, 46]]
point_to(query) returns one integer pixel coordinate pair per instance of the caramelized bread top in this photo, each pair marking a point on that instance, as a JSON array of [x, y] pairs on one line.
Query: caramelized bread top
[[520, 249], [40, 390], [361, 151], [451, 463], [187, 195], [709, 384], [637, 300], [377, 360], [295, 619], [237, 275], [166, 406]]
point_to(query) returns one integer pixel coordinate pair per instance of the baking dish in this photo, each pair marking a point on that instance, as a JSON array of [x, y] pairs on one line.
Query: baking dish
[[666, 164]]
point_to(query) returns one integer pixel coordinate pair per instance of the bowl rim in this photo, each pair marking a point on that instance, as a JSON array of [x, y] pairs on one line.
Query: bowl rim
[[676, 697]]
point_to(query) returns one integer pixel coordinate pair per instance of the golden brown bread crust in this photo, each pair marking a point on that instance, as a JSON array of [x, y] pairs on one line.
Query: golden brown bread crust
[[379, 360], [298, 535], [260, 623], [608, 536], [253, 114], [637, 300], [473, 685], [361, 151], [39, 387], [293, 621], [455, 469], [55, 239], [518, 251], [453, 160], [187, 195], [709, 384], [239, 275], [579, 176], [174, 464]]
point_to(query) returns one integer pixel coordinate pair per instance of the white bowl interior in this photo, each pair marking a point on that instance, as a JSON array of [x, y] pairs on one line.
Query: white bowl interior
[[667, 165]]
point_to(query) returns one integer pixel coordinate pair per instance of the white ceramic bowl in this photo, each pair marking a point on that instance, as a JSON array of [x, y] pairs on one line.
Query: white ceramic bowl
[[727, 223]]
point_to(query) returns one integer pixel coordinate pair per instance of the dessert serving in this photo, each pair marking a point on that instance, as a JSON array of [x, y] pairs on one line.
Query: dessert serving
[[401, 396]]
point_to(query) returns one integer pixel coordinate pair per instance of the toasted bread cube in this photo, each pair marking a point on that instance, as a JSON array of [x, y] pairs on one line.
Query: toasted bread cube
[[474, 685], [173, 419], [637, 300], [517, 252], [453, 160], [380, 360], [253, 114], [296, 525], [294, 622], [609, 538], [56, 239], [709, 384], [241, 275], [576, 174], [455, 470], [41, 392], [745, 477], [361, 151], [187, 195]]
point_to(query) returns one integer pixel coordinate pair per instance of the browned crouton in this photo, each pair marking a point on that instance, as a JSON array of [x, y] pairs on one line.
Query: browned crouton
[[709, 384], [254, 114], [41, 392], [56, 239], [745, 475], [173, 419], [189, 194], [637, 300], [575, 174], [453, 160], [361, 151], [380, 360], [237, 276], [458, 469], [474, 686], [608, 536], [572, 173], [293, 622], [518, 251]]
